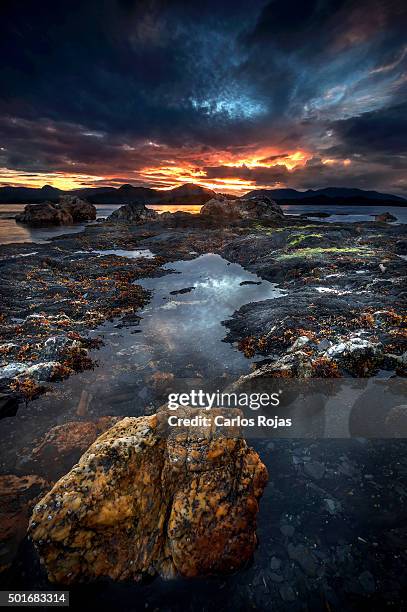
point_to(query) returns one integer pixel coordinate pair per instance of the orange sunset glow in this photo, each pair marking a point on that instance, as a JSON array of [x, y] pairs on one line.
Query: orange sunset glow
[[173, 170]]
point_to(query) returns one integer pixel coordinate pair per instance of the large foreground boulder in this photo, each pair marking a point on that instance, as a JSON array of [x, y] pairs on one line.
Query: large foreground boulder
[[143, 503], [69, 210], [133, 213], [251, 208]]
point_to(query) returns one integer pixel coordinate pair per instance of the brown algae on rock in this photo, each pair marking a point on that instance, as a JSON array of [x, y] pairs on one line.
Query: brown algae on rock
[[139, 503]]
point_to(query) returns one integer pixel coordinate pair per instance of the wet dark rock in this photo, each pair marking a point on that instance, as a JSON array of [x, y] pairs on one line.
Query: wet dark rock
[[133, 213], [314, 469], [287, 530], [275, 563], [396, 422], [330, 516], [385, 217], [70, 209], [287, 593], [332, 505], [62, 446], [176, 219], [8, 404], [305, 559], [254, 208], [324, 345], [182, 291], [401, 247], [367, 581], [44, 214], [248, 282], [18, 495], [80, 210]]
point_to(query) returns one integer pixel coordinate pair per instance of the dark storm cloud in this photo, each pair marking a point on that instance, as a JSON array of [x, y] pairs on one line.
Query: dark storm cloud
[[87, 85], [382, 131]]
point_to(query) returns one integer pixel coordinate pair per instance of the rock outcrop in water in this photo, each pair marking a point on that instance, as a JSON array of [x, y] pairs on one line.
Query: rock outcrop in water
[[70, 209], [133, 213], [385, 217], [80, 210], [252, 208], [139, 503]]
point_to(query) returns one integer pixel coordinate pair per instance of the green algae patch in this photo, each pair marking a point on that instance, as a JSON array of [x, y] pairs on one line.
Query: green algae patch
[[296, 240], [315, 252], [265, 229]]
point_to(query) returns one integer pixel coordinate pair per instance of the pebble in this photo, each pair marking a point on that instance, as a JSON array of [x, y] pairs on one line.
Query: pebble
[[275, 563], [287, 530], [367, 581], [314, 469], [287, 593]]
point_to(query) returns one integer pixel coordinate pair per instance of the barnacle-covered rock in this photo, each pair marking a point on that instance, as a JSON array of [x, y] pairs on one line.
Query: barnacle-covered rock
[[140, 502]]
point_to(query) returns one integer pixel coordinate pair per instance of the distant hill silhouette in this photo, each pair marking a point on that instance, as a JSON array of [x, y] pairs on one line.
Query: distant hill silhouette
[[126, 194], [195, 194], [329, 195]]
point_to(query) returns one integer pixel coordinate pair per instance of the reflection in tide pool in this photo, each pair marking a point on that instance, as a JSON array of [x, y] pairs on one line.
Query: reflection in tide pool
[[177, 344], [185, 329], [132, 254]]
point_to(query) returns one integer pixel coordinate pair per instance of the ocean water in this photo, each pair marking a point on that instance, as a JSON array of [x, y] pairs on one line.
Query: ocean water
[[347, 214], [11, 232]]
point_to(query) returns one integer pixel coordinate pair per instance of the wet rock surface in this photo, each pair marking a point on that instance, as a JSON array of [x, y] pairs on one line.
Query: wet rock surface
[[70, 209], [385, 217], [252, 208], [346, 296], [133, 213], [139, 504], [18, 494], [63, 445]]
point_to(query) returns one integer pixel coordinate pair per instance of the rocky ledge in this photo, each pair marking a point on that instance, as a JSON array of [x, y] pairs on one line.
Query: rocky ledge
[[139, 503], [70, 209], [344, 309]]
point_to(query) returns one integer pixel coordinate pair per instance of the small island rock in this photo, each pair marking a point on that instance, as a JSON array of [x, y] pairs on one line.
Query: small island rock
[[133, 213], [251, 208], [70, 209]]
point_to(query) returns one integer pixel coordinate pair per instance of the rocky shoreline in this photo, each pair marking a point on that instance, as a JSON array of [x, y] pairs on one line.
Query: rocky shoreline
[[343, 312], [342, 315]]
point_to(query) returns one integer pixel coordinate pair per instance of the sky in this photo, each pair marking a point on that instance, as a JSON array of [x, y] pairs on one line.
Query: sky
[[232, 95]]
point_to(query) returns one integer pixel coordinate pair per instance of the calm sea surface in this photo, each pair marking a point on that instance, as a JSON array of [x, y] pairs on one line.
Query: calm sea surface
[[10, 231]]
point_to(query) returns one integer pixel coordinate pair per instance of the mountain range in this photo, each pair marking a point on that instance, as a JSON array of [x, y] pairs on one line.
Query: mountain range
[[195, 194]]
